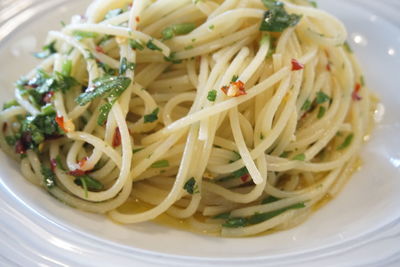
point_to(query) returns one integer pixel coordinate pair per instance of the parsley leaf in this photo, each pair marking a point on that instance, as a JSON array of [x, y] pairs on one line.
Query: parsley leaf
[[103, 86], [160, 164], [346, 142], [276, 19], [212, 95], [136, 44], [49, 178], [153, 116], [79, 35], [150, 45], [48, 50], [125, 65], [322, 97], [177, 29], [191, 186]]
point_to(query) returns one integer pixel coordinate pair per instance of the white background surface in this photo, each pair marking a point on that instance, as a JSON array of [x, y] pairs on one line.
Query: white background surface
[[360, 227]]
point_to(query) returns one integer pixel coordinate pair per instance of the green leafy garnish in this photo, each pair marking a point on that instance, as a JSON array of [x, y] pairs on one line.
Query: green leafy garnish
[[171, 58], [136, 44], [49, 178], [160, 164], [191, 186], [153, 116], [306, 106], [48, 50], [150, 45], [276, 19], [212, 95], [300, 157], [125, 65], [107, 69], [269, 199], [79, 35], [88, 184], [347, 141], [177, 29], [103, 115], [9, 104], [237, 222], [347, 47], [321, 112], [135, 150], [234, 78], [103, 86], [66, 68], [223, 216], [322, 97]]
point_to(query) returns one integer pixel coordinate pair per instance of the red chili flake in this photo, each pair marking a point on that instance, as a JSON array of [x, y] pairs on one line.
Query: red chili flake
[[60, 122], [82, 162], [234, 89], [77, 172], [19, 147], [100, 49], [245, 177], [117, 138], [53, 164], [355, 95], [47, 97], [137, 19], [328, 67], [5, 126], [296, 65]]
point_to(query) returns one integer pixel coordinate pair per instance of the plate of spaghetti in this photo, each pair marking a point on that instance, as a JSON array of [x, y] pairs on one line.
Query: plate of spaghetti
[[204, 132]]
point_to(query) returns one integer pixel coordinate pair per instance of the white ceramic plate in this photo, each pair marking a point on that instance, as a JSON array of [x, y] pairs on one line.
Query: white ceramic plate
[[361, 226]]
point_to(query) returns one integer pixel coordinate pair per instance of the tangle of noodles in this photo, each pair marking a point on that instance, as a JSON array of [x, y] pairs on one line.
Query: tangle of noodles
[[195, 110]]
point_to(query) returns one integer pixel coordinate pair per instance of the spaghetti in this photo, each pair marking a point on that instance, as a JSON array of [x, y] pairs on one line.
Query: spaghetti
[[236, 116]]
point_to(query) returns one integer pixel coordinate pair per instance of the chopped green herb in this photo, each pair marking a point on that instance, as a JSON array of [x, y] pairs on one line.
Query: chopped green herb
[[102, 86], [107, 69], [136, 44], [49, 178], [285, 154], [125, 65], [11, 140], [223, 216], [212, 95], [59, 163], [306, 106], [313, 4], [172, 59], [322, 97], [346, 46], [346, 142], [48, 50], [300, 157], [48, 109], [235, 222], [321, 112], [88, 183], [262, 136], [276, 19], [160, 164], [258, 217], [135, 150], [79, 35], [153, 116], [150, 45], [191, 186], [189, 47], [113, 13], [211, 27], [234, 78], [177, 29], [269, 199], [9, 104], [66, 68], [241, 172], [103, 115]]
